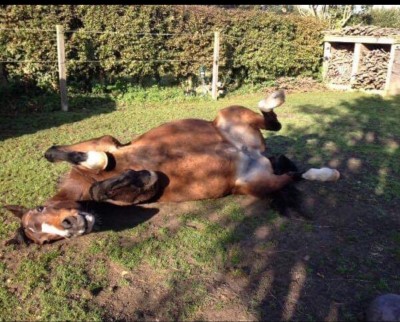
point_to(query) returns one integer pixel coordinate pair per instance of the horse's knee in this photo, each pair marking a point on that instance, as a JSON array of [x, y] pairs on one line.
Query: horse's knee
[[107, 143], [102, 190], [129, 187], [97, 192]]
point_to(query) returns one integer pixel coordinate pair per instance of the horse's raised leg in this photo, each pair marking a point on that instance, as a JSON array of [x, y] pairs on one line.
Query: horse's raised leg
[[241, 126], [95, 154], [259, 176], [127, 188], [281, 164]]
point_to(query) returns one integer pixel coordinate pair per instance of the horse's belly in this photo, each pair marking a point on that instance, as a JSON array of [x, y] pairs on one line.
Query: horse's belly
[[194, 159], [198, 176], [251, 166]]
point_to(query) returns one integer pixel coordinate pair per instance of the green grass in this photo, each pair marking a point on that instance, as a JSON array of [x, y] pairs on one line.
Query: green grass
[[53, 287], [189, 249], [357, 132]]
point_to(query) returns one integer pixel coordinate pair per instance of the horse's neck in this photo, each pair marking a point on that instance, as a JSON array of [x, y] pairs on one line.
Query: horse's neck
[[74, 187]]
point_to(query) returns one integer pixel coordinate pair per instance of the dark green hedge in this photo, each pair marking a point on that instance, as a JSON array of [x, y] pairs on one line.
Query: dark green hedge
[[255, 46], [379, 17]]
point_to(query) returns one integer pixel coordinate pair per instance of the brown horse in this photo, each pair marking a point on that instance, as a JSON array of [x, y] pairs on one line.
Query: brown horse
[[181, 160]]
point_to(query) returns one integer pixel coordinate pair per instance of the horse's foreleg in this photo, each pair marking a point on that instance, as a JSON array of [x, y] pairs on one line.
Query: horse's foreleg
[[93, 154], [128, 188]]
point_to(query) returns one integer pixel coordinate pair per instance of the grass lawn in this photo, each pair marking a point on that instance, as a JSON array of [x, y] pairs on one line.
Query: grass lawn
[[227, 259]]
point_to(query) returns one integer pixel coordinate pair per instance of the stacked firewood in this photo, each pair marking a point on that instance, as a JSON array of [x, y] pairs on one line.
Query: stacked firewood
[[339, 68], [372, 70], [365, 31]]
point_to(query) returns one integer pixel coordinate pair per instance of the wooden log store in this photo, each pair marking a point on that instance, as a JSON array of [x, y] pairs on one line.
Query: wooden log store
[[363, 58]]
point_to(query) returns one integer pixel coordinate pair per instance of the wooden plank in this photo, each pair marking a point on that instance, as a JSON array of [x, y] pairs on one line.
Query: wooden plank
[[338, 86], [361, 39], [394, 85], [356, 61], [327, 57], [388, 84], [62, 70], [396, 55], [396, 67], [214, 89]]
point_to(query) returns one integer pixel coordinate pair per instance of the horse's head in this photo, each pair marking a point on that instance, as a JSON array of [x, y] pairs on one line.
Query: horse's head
[[50, 222]]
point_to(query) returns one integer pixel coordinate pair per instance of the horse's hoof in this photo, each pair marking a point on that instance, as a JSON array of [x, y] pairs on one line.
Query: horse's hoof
[[323, 174], [51, 153]]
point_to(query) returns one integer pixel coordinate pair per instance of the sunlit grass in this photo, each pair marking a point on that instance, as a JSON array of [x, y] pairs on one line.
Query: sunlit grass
[[357, 132]]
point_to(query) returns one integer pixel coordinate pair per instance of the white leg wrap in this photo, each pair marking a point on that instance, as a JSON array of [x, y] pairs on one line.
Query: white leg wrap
[[95, 160], [323, 174]]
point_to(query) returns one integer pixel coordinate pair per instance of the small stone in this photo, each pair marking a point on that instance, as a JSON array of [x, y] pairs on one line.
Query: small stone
[[306, 258], [112, 288]]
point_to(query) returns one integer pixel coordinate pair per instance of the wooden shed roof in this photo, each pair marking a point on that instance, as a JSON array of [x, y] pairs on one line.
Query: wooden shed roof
[[364, 34], [359, 30]]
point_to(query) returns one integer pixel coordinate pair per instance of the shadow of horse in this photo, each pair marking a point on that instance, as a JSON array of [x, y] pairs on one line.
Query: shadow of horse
[[118, 218]]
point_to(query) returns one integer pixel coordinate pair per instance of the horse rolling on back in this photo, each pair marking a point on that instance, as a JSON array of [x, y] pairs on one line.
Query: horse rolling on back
[[182, 160]]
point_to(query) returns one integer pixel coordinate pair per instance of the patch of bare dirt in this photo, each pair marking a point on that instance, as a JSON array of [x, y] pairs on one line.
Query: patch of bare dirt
[[290, 268]]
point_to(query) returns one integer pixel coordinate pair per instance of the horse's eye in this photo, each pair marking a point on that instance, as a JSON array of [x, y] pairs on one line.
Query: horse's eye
[[40, 208]]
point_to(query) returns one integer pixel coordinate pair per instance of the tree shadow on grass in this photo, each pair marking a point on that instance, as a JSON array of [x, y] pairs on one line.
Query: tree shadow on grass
[[328, 268], [270, 267], [331, 267], [80, 107]]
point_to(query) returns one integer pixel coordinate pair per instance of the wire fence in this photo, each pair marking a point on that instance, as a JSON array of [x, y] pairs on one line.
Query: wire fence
[[24, 61], [100, 61], [62, 62], [209, 34]]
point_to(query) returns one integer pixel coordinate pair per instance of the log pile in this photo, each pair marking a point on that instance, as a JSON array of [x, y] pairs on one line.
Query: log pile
[[373, 70], [358, 30], [339, 68]]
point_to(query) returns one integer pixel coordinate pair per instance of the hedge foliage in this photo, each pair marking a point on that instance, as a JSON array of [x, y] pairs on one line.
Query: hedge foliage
[[256, 46], [380, 17]]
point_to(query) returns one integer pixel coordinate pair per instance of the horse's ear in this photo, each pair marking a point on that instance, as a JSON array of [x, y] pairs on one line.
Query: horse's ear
[[18, 211], [19, 238]]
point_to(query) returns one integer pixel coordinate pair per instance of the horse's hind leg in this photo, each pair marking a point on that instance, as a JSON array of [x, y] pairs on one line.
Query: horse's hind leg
[[92, 154], [286, 198], [263, 176], [281, 164], [127, 188], [289, 198]]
